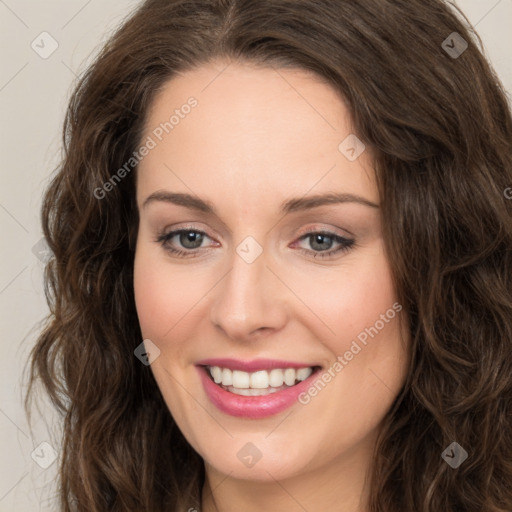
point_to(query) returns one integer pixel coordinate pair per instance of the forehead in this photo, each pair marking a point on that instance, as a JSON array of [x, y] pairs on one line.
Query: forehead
[[260, 133]]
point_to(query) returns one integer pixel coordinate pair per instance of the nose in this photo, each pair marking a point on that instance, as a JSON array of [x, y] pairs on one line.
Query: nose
[[249, 300]]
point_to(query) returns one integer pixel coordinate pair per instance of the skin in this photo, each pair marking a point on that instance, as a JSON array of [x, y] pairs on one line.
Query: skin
[[257, 138]]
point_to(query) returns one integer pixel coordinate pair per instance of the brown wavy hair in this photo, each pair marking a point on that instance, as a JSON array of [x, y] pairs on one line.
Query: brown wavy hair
[[440, 130]]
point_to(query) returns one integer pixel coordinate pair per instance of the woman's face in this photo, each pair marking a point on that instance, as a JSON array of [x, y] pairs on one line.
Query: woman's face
[[279, 271]]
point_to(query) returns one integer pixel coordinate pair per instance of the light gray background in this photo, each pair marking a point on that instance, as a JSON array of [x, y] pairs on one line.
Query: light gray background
[[33, 96]]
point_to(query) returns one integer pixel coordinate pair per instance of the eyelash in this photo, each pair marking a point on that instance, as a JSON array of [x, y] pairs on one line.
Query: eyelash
[[345, 243]]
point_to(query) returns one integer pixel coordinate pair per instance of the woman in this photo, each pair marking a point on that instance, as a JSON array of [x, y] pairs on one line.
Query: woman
[[282, 264]]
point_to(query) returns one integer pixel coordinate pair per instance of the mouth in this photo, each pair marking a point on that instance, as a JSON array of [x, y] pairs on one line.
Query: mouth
[[258, 383], [255, 389]]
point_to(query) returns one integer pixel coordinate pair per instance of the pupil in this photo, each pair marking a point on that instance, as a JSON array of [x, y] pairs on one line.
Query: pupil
[[320, 243], [190, 239]]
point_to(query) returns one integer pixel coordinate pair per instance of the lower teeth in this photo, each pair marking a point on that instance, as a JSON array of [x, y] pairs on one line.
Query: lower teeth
[[254, 392]]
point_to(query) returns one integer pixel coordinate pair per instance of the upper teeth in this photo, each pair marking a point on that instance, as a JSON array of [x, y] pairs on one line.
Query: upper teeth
[[261, 379]]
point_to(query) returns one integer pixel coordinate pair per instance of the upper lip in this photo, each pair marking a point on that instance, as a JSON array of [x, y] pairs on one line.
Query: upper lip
[[253, 365]]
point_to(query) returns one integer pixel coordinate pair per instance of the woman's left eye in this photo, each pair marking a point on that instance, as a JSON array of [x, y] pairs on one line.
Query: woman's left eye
[[322, 242], [189, 241]]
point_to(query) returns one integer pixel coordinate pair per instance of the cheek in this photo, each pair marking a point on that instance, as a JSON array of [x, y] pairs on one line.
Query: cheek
[[163, 299], [348, 299], [163, 295], [151, 293]]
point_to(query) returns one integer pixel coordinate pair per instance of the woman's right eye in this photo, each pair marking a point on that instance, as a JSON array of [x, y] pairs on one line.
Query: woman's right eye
[[182, 242]]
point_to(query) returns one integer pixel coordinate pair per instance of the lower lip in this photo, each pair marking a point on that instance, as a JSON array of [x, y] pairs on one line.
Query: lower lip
[[253, 406]]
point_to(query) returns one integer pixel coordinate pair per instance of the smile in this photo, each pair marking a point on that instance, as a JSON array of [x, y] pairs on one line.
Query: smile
[[256, 389], [258, 383]]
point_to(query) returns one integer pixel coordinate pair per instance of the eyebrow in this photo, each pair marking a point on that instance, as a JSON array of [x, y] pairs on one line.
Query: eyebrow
[[289, 206]]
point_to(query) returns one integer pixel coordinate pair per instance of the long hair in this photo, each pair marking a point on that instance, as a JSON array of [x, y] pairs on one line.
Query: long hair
[[439, 127]]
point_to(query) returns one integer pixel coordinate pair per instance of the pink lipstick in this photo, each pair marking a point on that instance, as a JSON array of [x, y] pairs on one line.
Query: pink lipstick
[[254, 389]]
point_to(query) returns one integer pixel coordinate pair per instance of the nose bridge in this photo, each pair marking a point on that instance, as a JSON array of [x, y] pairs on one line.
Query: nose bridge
[[247, 299]]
